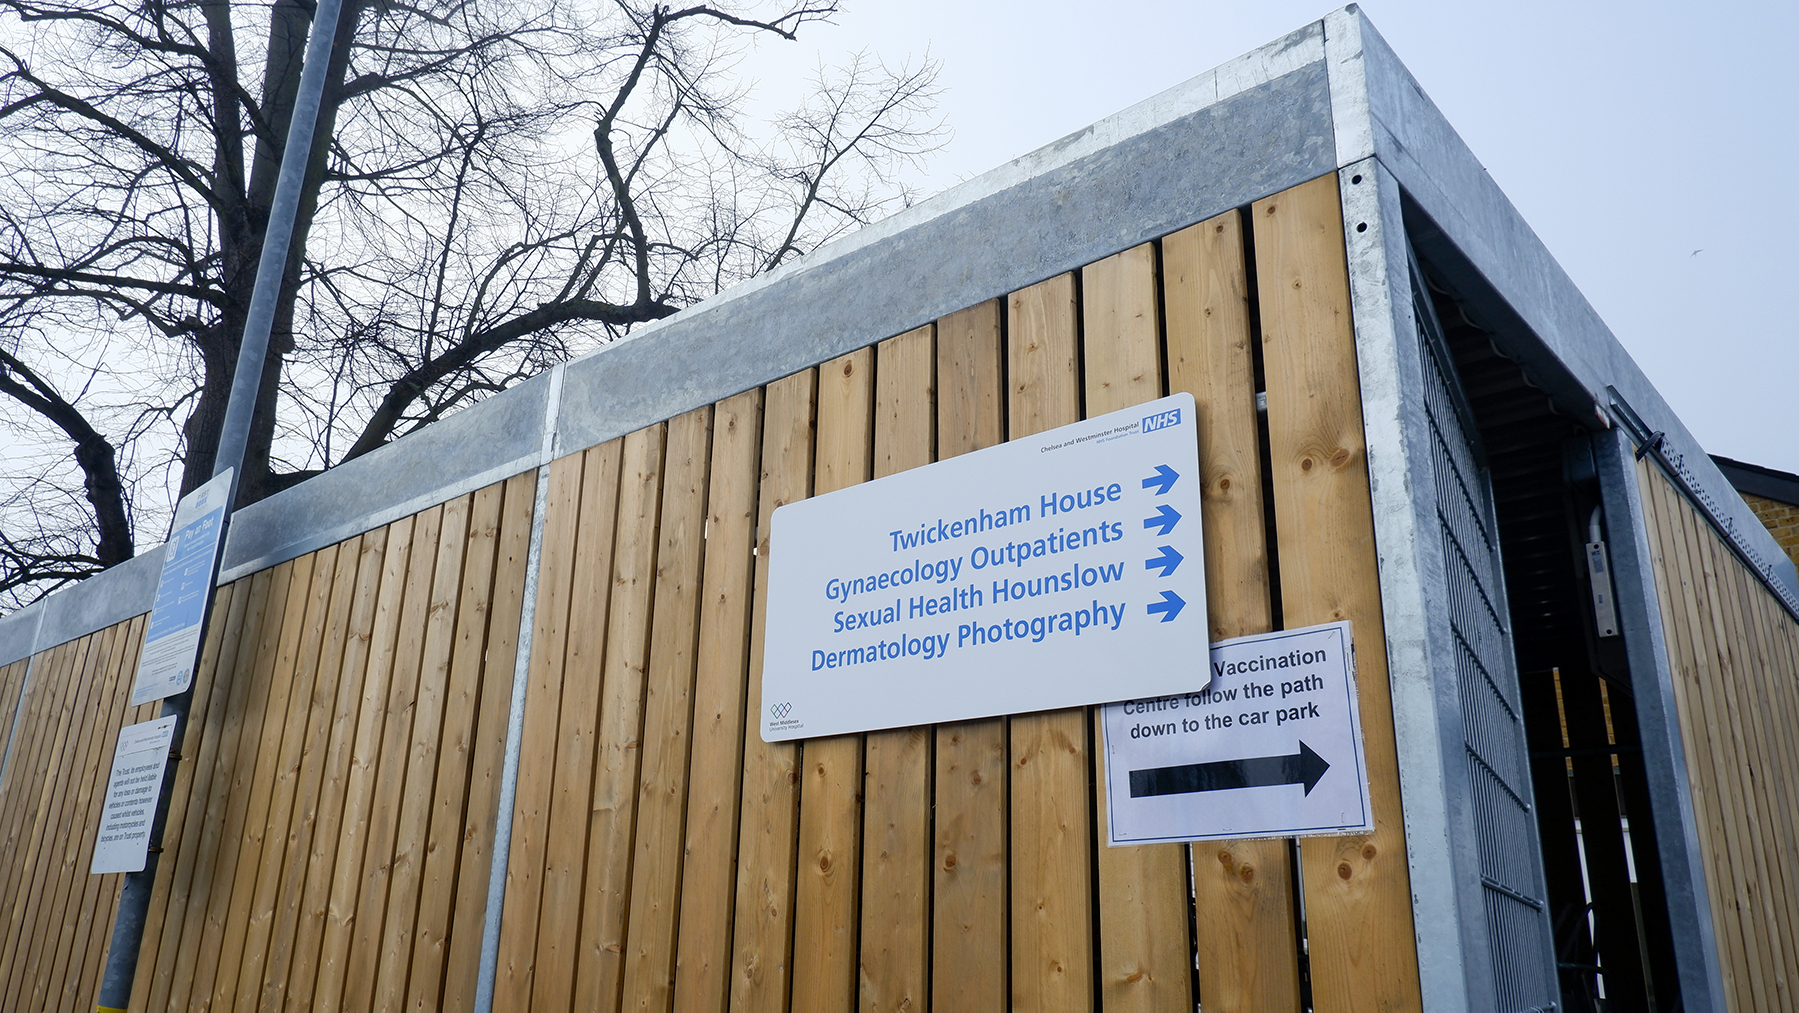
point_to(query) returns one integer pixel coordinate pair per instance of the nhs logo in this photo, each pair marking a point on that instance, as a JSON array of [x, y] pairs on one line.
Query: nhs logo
[[1162, 420]]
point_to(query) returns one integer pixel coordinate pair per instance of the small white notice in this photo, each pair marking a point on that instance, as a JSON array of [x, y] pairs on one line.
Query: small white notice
[[1056, 570], [1272, 747], [123, 841], [165, 666]]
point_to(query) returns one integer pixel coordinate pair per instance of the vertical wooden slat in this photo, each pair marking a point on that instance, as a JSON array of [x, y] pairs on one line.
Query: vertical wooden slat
[[575, 751], [1052, 839], [703, 940], [462, 702], [361, 804], [1712, 645], [598, 976], [825, 920], [192, 892], [896, 832], [313, 895], [418, 765], [191, 777], [1699, 728], [1246, 939], [303, 609], [267, 988], [668, 713], [1145, 936], [489, 752], [283, 777], [536, 768], [1677, 603], [1749, 698], [762, 940], [971, 931], [1357, 889]]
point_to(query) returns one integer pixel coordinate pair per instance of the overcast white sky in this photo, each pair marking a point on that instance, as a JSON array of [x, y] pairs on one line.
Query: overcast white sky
[[1651, 145]]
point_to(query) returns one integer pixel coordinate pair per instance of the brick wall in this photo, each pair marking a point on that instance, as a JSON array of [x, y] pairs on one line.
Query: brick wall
[[1781, 518]]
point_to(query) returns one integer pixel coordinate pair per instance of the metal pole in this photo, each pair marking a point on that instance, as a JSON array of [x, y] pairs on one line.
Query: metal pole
[[134, 900]]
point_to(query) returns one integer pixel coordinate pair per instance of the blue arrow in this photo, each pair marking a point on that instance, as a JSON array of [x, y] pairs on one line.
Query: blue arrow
[[1170, 606], [1168, 560], [1166, 518], [1162, 480]]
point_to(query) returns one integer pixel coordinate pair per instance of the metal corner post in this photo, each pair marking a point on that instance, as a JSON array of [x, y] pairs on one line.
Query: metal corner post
[[134, 898], [1664, 756]]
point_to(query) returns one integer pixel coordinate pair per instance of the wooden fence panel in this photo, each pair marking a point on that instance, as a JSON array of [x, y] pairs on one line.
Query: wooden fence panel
[[1357, 889], [1734, 655], [333, 824]]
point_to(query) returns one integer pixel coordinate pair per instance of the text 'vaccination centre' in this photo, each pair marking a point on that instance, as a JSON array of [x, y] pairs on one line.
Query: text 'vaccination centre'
[[841, 642]]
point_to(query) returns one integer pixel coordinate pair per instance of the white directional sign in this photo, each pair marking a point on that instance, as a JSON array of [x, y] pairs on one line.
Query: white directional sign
[[165, 666], [1052, 571], [1271, 748], [137, 765]]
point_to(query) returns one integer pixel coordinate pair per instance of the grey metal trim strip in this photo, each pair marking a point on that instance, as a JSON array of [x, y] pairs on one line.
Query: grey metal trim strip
[[1664, 755], [1251, 127], [1449, 925], [1558, 335], [500, 855]]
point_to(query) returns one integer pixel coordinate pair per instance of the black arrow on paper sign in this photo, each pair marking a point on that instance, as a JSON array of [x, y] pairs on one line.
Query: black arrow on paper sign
[[1304, 767]]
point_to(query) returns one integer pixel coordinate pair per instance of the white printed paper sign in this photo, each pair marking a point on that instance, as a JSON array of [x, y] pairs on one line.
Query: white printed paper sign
[[1271, 748], [165, 666], [1056, 570], [123, 841]]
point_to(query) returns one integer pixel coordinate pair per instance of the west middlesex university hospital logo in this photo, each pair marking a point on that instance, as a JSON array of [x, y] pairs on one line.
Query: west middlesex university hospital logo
[[780, 710]]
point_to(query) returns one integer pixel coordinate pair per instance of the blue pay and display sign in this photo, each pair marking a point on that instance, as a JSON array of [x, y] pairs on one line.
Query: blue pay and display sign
[[1056, 570], [165, 666], [1271, 747]]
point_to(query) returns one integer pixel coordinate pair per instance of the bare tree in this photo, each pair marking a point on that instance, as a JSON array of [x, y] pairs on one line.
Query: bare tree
[[501, 186]]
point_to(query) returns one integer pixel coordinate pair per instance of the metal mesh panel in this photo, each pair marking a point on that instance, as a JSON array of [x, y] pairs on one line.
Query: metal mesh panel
[[1506, 842]]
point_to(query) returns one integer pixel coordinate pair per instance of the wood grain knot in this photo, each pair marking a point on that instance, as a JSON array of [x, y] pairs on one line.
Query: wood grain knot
[[1340, 458], [848, 368], [1224, 485], [1368, 852], [975, 778], [1247, 873], [1224, 859], [949, 860], [824, 863], [1305, 464], [1271, 209], [1344, 870]]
